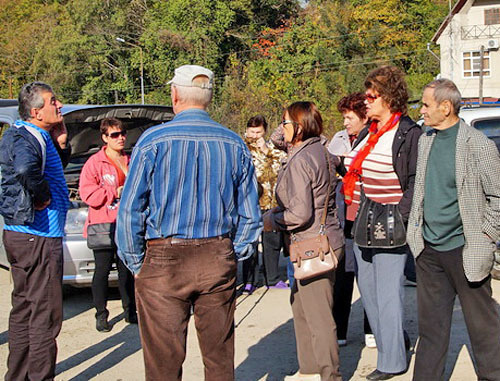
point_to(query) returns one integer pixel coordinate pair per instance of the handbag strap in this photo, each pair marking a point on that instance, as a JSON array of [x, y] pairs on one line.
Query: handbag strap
[[322, 229], [325, 209]]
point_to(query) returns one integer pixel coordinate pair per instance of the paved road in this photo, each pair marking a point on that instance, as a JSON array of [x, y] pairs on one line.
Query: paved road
[[265, 347]]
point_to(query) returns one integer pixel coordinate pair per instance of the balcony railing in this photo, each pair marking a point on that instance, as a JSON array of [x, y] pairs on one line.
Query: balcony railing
[[471, 32]]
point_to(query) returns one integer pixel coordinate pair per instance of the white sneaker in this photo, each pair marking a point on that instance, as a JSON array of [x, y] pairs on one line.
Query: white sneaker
[[370, 341], [342, 342], [303, 377]]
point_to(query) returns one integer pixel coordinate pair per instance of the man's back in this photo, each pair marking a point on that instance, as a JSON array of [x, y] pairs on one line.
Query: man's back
[[192, 178]]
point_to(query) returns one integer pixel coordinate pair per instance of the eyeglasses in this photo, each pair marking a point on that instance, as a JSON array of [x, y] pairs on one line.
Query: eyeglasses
[[117, 134], [370, 98]]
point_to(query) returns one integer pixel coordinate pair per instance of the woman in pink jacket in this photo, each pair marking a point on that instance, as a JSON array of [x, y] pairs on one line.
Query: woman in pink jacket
[[101, 184]]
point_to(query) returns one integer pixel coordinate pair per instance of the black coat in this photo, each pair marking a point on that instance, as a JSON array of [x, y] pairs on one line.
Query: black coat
[[404, 160]]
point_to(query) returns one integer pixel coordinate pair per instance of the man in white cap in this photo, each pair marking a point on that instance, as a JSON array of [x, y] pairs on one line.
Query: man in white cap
[[189, 208]]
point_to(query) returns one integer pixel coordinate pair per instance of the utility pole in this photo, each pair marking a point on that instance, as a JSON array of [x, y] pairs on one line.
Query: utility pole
[[119, 39], [481, 67], [450, 34], [11, 95]]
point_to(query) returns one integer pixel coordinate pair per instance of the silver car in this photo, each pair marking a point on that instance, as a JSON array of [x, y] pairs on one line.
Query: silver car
[[82, 122]]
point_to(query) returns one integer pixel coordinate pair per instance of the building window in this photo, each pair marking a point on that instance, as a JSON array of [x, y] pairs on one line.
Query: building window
[[472, 62], [492, 16]]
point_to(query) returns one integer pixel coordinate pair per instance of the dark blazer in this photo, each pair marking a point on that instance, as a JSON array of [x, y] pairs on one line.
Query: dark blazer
[[22, 181]]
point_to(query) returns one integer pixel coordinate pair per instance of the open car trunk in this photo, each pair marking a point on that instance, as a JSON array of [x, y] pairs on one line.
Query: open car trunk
[[83, 124]]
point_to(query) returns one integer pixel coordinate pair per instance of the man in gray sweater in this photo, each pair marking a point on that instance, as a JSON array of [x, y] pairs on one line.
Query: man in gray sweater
[[453, 226]]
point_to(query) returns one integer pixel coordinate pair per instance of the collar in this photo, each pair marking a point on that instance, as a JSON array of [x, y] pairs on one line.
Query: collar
[[190, 112], [23, 123], [306, 143]]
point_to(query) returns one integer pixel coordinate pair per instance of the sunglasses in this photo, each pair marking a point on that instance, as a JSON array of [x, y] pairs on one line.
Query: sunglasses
[[283, 122], [370, 98], [117, 134]]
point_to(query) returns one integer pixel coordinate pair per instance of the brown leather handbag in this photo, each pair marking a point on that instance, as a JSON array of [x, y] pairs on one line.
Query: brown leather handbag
[[312, 257]]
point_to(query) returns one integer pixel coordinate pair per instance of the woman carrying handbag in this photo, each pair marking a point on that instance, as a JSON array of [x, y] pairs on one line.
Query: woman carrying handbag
[[305, 193], [379, 181], [101, 183]]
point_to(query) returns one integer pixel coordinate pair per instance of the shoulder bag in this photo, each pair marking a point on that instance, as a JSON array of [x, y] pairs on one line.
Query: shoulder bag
[[101, 236]]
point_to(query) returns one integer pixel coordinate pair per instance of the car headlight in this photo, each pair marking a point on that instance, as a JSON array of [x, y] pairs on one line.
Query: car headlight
[[75, 220]]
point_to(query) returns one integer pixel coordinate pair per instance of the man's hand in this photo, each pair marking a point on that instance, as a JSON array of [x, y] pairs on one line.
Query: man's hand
[[41, 205], [60, 134], [268, 221]]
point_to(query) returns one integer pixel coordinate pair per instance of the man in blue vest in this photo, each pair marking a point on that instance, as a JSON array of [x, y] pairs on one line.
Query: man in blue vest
[[34, 203]]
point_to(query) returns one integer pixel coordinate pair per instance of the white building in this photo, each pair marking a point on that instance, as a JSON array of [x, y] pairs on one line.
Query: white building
[[470, 25]]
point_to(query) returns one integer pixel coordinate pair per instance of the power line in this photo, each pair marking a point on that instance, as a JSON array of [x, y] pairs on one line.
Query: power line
[[322, 68], [307, 41]]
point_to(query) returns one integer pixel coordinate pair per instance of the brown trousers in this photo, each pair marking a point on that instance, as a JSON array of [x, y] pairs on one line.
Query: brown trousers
[[315, 329], [174, 277], [36, 316]]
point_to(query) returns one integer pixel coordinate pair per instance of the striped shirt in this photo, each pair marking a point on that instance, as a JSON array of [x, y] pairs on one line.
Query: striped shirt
[[50, 221], [188, 178], [380, 181]]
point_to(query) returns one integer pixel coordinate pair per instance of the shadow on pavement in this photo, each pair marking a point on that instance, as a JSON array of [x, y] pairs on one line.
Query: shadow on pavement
[[4, 337], [77, 300], [279, 345], [127, 342], [351, 353]]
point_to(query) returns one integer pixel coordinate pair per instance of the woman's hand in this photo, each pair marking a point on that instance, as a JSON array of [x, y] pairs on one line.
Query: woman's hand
[[119, 191]]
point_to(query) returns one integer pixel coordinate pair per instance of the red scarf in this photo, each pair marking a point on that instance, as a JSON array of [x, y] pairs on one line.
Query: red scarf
[[355, 170]]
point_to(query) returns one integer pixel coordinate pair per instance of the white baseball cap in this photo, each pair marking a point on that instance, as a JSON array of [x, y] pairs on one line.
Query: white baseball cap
[[185, 74]]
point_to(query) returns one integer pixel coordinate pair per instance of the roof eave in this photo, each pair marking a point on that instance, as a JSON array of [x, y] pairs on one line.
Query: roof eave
[[457, 8]]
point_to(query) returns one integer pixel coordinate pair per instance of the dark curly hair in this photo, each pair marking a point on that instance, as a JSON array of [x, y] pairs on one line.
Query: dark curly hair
[[353, 102], [257, 121], [389, 82], [307, 116]]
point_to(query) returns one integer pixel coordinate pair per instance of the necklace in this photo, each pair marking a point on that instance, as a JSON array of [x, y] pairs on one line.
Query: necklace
[[119, 162]]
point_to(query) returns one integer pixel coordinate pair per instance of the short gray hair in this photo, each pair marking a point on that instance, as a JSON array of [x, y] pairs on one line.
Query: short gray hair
[[446, 90], [196, 94], [30, 97]]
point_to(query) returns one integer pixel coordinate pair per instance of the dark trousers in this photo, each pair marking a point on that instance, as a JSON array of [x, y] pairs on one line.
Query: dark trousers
[[250, 268], [315, 330], [440, 279], [36, 316], [343, 289], [272, 243], [199, 273], [103, 262]]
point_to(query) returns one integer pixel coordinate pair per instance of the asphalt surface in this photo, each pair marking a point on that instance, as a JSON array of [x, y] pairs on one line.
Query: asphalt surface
[[265, 343]]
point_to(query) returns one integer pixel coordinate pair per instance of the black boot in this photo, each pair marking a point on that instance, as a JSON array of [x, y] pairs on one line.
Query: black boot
[[102, 324], [131, 315]]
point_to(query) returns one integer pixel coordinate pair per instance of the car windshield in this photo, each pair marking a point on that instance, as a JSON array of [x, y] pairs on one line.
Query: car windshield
[[491, 128]]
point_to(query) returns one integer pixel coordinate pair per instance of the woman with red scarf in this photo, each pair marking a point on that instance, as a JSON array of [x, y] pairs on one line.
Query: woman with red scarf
[[384, 163]]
